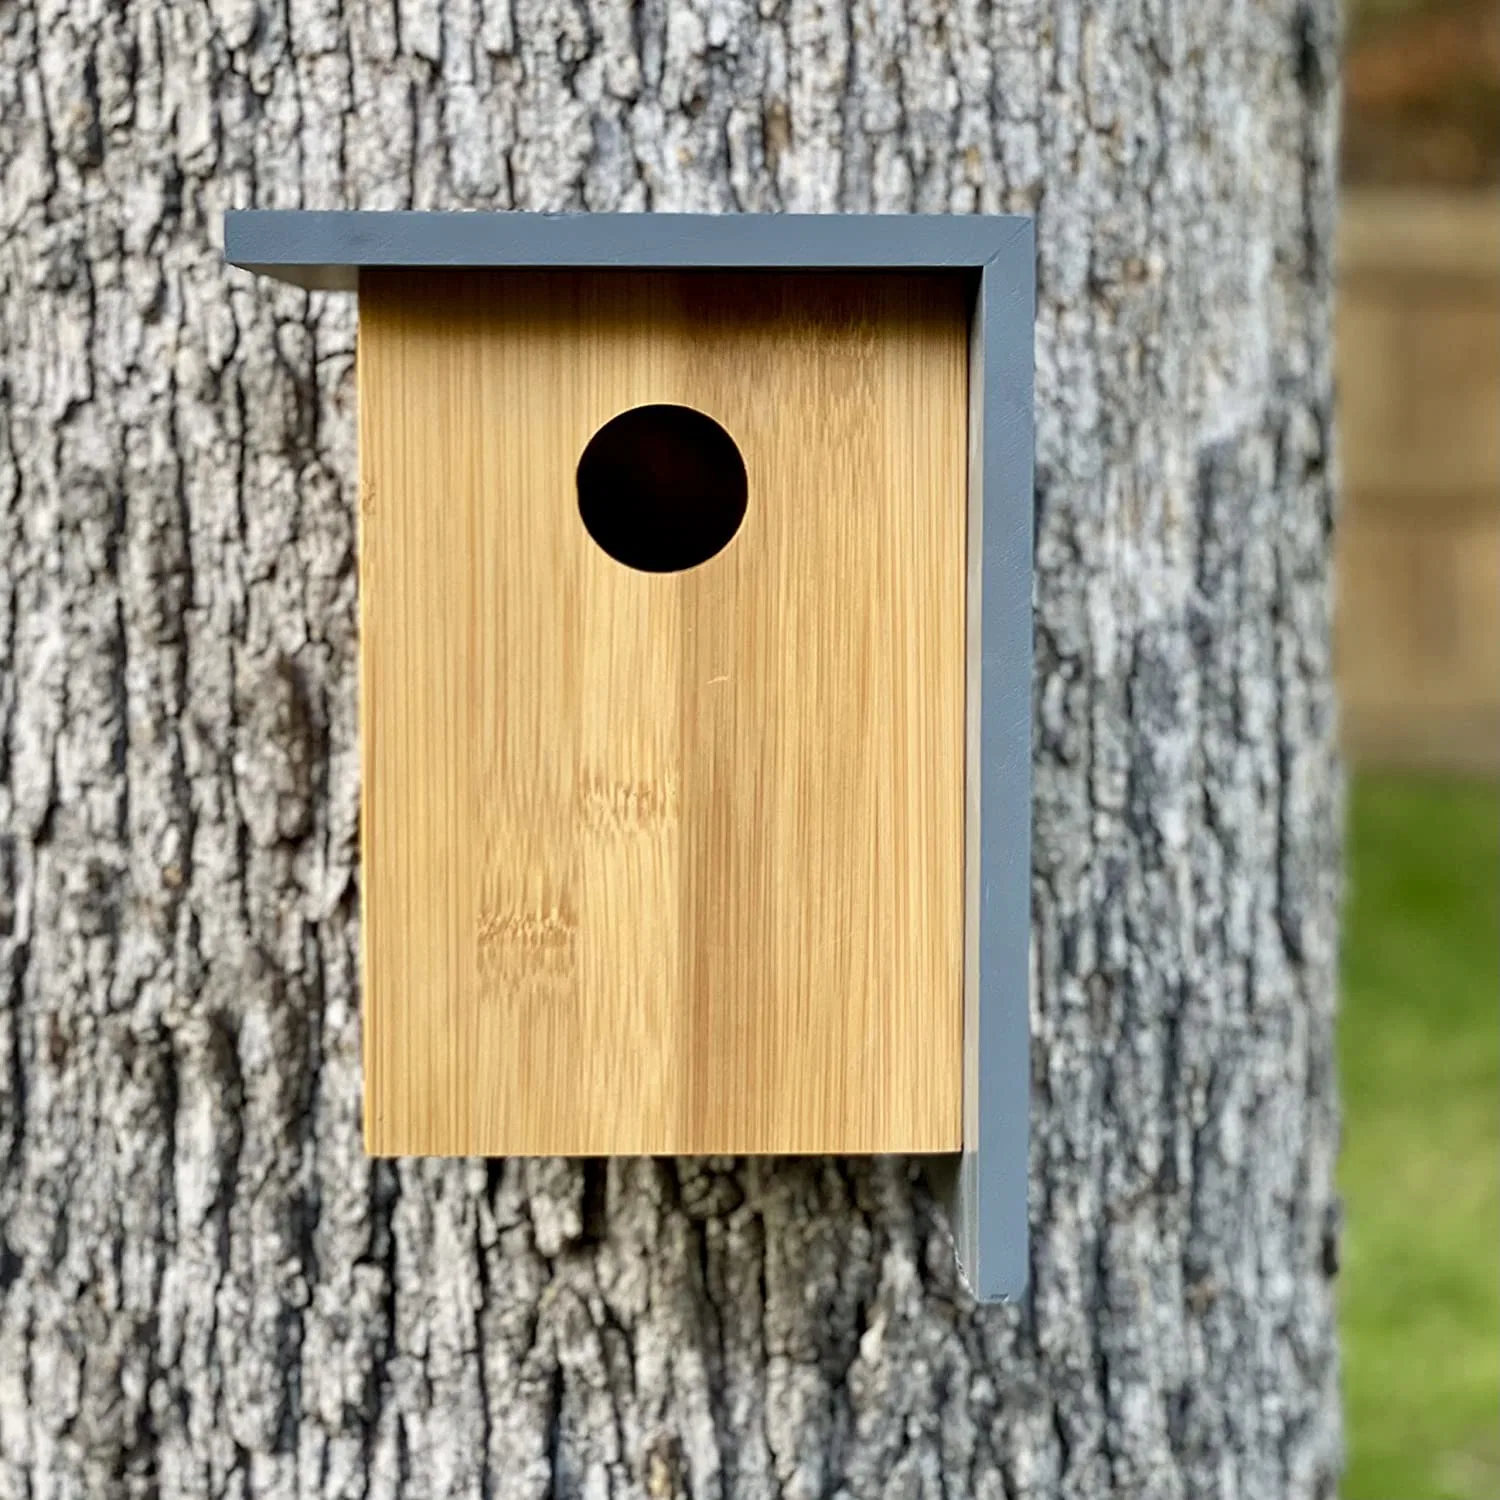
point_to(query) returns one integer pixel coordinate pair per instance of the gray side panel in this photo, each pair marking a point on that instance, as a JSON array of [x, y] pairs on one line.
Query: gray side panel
[[324, 250], [991, 1200]]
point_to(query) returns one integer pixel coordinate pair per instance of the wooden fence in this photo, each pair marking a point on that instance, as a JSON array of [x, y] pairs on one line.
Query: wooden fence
[[1418, 630]]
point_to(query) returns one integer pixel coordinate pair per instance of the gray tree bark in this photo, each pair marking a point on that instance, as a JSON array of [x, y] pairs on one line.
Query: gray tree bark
[[205, 1288]]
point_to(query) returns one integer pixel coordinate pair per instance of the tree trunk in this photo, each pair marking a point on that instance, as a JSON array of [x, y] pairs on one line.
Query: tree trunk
[[205, 1287]]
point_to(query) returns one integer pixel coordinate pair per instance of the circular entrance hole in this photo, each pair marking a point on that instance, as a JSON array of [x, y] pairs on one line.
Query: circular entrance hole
[[662, 488]]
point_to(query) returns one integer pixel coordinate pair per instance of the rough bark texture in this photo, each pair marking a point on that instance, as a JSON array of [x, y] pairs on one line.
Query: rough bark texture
[[205, 1288]]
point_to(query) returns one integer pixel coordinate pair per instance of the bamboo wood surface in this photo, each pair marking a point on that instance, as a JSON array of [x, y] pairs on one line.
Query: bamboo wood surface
[[662, 863]]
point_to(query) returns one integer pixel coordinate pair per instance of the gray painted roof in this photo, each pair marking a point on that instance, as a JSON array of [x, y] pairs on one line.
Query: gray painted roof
[[324, 250]]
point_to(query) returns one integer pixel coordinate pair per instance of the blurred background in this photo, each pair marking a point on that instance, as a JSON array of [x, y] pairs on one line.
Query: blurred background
[[1418, 642]]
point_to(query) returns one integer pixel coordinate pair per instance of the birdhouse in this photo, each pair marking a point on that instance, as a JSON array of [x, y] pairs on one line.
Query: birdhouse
[[695, 662]]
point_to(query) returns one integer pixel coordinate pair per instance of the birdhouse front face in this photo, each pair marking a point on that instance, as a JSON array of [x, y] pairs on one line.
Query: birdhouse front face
[[663, 696]]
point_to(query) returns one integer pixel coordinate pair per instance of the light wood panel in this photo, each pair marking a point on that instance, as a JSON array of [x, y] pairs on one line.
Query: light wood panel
[[660, 863]]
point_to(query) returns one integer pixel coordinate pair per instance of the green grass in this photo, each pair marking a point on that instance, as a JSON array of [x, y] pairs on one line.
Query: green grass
[[1419, 1045]]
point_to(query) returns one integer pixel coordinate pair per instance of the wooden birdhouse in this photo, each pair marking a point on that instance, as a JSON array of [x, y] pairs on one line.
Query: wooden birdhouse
[[695, 612]]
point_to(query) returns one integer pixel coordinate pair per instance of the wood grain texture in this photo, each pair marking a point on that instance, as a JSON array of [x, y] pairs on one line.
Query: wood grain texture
[[663, 863]]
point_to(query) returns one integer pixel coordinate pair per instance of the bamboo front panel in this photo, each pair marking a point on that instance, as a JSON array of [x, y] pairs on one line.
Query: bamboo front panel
[[662, 863]]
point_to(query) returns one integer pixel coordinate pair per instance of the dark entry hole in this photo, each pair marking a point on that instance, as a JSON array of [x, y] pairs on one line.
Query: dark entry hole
[[661, 488]]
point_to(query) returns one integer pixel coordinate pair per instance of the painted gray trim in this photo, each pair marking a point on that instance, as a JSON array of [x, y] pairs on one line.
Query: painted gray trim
[[992, 1190], [985, 1189], [324, 250]]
